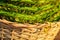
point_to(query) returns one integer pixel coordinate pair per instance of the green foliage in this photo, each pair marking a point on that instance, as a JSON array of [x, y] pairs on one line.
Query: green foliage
[[30, 11]]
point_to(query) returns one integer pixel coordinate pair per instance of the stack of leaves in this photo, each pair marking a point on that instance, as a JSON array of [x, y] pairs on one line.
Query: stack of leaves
[[30, 11]]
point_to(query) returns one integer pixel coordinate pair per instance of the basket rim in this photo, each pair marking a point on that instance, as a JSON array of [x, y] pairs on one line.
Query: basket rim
[[19, 25]]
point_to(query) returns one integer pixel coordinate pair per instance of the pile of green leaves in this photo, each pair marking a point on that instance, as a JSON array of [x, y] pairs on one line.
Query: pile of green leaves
[[30, 11]]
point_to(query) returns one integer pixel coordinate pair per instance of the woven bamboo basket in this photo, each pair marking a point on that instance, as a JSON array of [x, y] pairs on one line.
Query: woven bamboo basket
[[15, 31]]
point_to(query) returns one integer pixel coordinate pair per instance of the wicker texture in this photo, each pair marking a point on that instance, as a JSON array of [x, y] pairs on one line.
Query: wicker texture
[[47, 31]]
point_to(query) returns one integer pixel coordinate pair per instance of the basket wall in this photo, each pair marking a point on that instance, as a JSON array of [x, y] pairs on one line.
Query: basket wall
[[46, 32]]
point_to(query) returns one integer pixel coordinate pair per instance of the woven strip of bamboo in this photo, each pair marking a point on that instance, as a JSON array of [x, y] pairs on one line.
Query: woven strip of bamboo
[[46, 32]]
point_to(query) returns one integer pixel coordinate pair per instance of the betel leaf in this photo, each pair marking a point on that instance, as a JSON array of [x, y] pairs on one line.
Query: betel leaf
[[30, 11]]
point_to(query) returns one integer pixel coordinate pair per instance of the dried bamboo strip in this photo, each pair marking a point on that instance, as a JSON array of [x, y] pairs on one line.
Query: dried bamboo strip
[[46, 31]]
